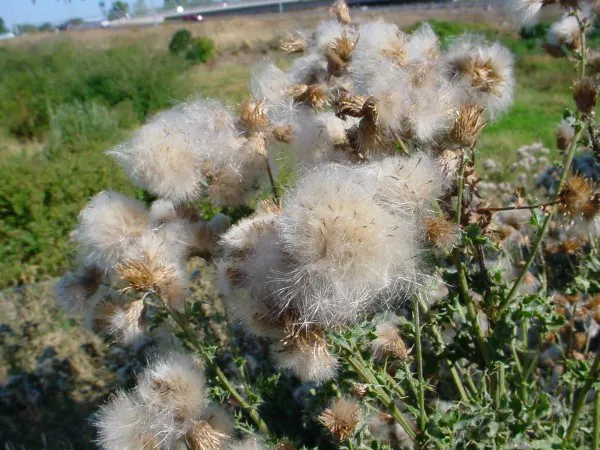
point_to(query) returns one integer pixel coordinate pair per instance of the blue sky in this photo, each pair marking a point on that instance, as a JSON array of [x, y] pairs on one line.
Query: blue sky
[[55, 11]]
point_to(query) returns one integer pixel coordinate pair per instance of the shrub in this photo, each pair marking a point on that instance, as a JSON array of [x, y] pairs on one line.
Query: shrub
[[201, 50], [180, 41]]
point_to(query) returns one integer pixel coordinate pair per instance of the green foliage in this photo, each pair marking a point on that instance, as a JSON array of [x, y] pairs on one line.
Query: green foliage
[[3, 28], [34, 83], [180, 41], [118, 10], [201, 50]]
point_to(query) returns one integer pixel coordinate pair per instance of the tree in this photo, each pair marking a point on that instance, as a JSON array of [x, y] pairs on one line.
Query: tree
[[141, 9], [118, 10], [102, 6], [3, 28]]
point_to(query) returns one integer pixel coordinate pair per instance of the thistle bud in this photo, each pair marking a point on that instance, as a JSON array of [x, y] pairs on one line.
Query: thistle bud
[[349, 105], [341, 418], [585, 93], [469, 123]]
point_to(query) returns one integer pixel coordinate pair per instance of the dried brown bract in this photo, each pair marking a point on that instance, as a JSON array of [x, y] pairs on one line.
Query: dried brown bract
[[469, 123], [312, 95], [252, 117], [341, 418], [585, 93], [349, 105], [293, 44], [442, 233], [204, 437], [283, 133]]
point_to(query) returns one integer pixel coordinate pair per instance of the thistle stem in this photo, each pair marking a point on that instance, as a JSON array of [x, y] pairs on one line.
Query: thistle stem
[[272, 180], [367, 376], [597, 421], [461, 187], [451, 364], [544, 229], [515, 208], [419, 354], [181, 321], [580, 401]]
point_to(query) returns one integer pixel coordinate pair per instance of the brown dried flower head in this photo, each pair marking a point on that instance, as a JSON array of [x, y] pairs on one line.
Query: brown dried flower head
[[389, 342], [483, 74], [341, 12], [585, 93], [293, 44], [442, 233], [283, 133], [349, 105], [580, 197], [343, 47], [335, 64], [564, 136], [341, 418], [146, 275], [204, 437], [312, 95], [252, 117], [469, 123]]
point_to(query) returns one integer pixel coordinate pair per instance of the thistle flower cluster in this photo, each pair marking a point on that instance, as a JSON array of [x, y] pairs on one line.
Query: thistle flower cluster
[[168, 405]]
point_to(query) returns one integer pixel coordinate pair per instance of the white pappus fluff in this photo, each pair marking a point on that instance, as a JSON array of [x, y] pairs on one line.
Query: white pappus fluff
[[350, 251], [108, 225]]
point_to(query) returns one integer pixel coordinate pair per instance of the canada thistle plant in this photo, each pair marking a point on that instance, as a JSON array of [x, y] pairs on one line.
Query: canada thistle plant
[[398, 308]]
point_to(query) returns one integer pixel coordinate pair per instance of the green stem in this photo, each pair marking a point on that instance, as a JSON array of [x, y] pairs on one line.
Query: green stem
[[580, 402], [272, 180], [461, 187], [597, 421], [544, 229], [419, 354], [181, 321], [367, 376], [451, 364]]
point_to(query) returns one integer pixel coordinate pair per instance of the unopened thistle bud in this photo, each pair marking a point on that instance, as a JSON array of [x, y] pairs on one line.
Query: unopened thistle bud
[[341, 12], [585, 93], [341, 418], [469, 123], [580, 196], [293, 44], [389, 342], [565, 133]]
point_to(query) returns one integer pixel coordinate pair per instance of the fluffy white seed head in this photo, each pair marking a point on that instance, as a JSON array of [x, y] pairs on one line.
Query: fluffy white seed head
[[349, 250], [408, 185], [306, 355], [108, 226], [565, 32], [526, 11], [172, 393], [319, 137], [484, 70], [121, 426], [127, 323]]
